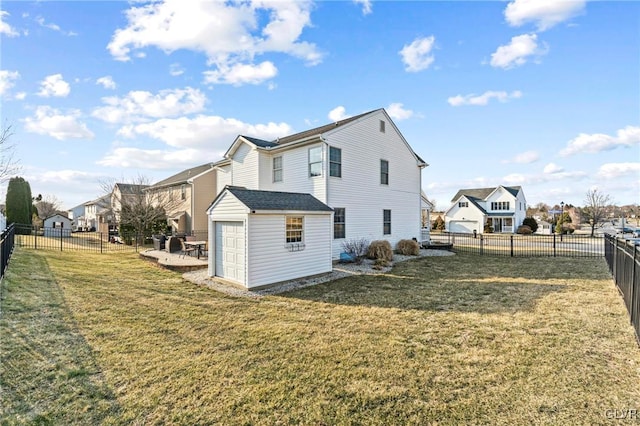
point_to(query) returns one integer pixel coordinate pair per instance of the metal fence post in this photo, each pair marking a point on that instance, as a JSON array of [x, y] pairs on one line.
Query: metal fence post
[[481, 245], [511, 244], [34, 229], [101, 242], [554, 245], [633, 290]]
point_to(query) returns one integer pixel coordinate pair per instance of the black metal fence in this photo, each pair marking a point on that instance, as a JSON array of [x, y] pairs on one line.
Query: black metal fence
[[6, 248], [516, 245], [623, 258], [61, 239]]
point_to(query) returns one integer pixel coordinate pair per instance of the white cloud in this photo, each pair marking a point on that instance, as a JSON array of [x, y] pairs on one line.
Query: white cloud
[[54, 85], [137, 158], [517, 52], [417, 55], [544, 13], [21, 96], [533, 179], [7, 79], [204, 132], [617, 170], [50, 121], [106, 82], [140, 105], [483, 99], [228, 33], [597, 142], [552, 168], [338, 113], [175, 69], [397, 112], [367, 7], [239, 74], [40, 20], [5, 28], [526, 157]]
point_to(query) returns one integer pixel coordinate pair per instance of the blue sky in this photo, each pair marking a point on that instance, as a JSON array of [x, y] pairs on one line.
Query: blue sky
[[542, 94]]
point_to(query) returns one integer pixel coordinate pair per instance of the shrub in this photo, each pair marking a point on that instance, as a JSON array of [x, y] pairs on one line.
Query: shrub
[[524, 230], [408, 247], [356, 248], [488, 227], [380, 249], [531, 223], [380, 264]]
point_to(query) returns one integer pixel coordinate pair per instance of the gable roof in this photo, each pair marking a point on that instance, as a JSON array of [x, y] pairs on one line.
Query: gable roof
[[275, 200], [320, 130], [483, 193], [260, 142], [59, 215], [129, 188], [183, 176]]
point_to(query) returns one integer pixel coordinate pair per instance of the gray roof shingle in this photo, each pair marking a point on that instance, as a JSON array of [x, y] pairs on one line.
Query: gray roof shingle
[[183, 176], [483, 193], [274, 200]]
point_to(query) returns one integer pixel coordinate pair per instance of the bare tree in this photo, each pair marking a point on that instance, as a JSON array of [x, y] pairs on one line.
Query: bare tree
[[8, 164], [594, 211], [47, 206], [137, 207]]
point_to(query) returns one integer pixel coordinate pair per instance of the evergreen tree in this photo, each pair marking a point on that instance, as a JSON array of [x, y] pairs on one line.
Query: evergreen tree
[[18, 202]]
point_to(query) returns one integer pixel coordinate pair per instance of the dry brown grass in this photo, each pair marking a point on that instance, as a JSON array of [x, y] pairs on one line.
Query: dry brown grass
[[447, 340]]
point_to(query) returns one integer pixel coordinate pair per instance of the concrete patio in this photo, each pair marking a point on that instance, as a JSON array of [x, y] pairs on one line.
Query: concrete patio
[[174, 261]]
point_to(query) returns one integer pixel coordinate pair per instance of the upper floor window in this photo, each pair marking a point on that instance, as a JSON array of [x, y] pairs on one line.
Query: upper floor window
[[315, 161], [382, 126], [339, 217], [277, 169], [294, 229], [384, 172], [386, 222], [183, 192], [463, 204], [500, 205], [335, 162]]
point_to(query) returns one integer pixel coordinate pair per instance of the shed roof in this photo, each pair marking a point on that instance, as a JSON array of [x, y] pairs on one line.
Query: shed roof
[[274, 200]]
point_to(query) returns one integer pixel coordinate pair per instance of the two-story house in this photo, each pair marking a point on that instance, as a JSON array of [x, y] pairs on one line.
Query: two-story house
[[285, 207], [96, 211], [186, 197], [503, 208]]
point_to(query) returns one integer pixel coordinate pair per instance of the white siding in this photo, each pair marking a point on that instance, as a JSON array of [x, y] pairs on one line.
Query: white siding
[[245, 167], [228, 208], [270, 261], [359, 189], [295, 173], [223, 178], [464, 214]]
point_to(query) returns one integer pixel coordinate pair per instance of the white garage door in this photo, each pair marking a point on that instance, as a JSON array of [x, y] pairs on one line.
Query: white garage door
[[465, 226], [230, 251]]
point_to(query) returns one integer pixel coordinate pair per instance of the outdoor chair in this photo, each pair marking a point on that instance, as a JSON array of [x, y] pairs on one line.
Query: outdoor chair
[[186, 250]]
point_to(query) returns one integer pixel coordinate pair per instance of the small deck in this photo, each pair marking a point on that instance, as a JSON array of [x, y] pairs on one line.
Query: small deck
[[175, 261]]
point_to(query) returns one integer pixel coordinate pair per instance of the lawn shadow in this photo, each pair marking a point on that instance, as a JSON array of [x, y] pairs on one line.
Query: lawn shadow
[[54, 376], [462, 283]]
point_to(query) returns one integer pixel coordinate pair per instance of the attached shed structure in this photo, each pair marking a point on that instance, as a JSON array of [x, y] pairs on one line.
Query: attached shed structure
[[259, 238]]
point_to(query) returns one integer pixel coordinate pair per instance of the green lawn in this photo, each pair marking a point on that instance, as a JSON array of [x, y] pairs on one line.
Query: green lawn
[[111, 339]]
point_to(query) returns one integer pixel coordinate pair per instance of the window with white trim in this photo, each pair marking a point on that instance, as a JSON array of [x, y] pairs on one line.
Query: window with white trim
[[277, 169], [463, 204], [339, 230], [335, 162], [183, 192], [500, 205], [294, 229], [315, 161], [386, 222], [384, 172]]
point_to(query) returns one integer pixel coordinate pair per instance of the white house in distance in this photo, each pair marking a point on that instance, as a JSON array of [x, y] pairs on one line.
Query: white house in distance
[[361, 168], [504, 207]]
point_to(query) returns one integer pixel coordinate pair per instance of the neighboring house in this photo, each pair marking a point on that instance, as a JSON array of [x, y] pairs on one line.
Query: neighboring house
[[426, 208], [57, 225], [76, 214], [124, 194], [3, 222], [186, 197], [97, 211], [503, 208], [361, 167]]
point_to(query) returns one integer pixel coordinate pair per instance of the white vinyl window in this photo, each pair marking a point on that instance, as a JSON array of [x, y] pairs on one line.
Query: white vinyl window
[[294, 229], [277, 169], [315, 161]]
